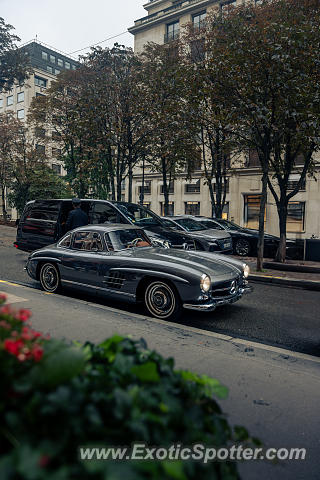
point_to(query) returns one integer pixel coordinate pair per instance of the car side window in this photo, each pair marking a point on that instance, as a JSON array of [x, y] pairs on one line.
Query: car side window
[[65, 242], [108, 242], [89, 241], [102, 213]]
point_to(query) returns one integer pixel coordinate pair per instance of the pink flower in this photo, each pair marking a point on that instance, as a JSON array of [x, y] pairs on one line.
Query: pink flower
[[37, 353]]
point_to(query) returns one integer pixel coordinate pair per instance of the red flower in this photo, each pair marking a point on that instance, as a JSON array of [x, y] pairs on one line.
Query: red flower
[[13, 346], [44, 460], [23, 315], [37, 353]]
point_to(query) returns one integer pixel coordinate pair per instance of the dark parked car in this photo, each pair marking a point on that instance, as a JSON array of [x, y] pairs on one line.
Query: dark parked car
[[121, 261], [211, 240], [244, 240], [43, 222]]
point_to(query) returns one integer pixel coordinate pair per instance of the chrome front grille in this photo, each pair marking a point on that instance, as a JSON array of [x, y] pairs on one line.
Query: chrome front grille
[[225, 289]]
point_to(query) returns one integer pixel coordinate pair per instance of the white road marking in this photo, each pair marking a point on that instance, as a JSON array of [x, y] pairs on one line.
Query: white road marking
[[13, 298]]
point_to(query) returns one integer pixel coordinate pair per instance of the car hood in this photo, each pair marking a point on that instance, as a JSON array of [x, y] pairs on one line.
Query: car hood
[[186, 260], [175, 238], [211, 234]]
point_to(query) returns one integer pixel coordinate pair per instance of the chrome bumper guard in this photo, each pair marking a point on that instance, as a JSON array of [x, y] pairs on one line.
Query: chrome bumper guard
[[212, 304]]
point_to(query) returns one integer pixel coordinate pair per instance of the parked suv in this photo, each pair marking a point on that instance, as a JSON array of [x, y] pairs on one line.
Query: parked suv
[[43, 222]]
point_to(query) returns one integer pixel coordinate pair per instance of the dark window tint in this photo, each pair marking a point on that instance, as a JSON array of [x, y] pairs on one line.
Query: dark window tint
[[46, 210], [102, 213], [27, 211]]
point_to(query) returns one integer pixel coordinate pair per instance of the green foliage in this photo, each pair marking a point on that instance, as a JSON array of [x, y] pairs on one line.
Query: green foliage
[[14, 64], [115, 393], [41, 182]]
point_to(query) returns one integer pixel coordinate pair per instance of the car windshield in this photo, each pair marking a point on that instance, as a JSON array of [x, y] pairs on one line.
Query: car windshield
[[122, 239], [229, 225], [210, 224], [138, 215], [190, 225]]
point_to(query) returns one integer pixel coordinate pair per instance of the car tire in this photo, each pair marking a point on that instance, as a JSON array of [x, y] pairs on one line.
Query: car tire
[[242, 247], [49, 277], [161, 300]]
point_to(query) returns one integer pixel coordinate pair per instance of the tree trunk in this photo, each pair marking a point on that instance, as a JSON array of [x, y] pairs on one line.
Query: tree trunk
[[165, 187], [212, 199], [263, 202], [282, 212], [3, 196], [130, 175]]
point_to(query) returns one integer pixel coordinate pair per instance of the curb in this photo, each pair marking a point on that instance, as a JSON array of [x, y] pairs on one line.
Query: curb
[[287, 267], [285, 281]]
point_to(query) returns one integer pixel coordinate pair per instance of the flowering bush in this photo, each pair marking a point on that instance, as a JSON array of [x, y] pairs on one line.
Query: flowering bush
[[55, 397]]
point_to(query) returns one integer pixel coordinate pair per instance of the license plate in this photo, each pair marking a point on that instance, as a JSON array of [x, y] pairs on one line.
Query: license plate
[[227, 245]]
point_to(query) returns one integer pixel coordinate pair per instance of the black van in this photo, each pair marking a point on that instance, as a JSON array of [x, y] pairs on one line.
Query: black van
[[43, 222]]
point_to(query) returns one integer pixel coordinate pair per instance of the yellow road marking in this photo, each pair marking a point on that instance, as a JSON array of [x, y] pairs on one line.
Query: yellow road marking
[[10, 283]]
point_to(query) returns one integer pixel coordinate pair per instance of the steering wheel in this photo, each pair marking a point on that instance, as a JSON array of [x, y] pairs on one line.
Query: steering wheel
[[134, 242]]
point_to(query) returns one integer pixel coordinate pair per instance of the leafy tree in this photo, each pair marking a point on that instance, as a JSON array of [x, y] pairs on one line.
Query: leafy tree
[[259, 62], [8, 130], [171, 139], [62, 114], [14, 64]]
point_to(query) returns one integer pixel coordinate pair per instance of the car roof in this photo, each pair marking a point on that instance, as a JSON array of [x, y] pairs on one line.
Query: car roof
[[106, 227]]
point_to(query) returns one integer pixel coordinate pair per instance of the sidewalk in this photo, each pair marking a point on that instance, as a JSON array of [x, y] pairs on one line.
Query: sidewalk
[[302, 274]]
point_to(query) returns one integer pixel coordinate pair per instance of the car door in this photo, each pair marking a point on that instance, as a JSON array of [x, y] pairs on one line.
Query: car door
[[81, 262], [39, 226]]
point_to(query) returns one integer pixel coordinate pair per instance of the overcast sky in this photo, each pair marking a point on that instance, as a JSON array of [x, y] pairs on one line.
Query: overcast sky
[[69, 25]]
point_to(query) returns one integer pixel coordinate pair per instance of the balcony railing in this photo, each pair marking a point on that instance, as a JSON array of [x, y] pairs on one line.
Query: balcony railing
[[165, 11]]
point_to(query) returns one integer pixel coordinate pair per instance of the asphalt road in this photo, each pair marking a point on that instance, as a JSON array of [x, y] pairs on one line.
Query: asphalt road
[[273, 315]]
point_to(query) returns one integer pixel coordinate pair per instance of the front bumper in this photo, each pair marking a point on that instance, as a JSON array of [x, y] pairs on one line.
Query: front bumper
[[213, 303]]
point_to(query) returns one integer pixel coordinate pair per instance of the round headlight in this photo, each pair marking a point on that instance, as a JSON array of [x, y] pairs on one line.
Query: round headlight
[[246, 270], [205, 283]]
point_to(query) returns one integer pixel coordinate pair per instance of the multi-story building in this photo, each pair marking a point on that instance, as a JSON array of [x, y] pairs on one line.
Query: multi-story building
[[46, 64], [162, 24]]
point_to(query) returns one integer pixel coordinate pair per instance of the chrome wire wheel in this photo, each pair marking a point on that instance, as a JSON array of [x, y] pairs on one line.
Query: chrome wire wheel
[[49, 277], [161, 300], [242, 247]]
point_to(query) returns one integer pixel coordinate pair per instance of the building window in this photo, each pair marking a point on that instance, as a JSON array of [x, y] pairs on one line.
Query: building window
[[294, 180], [147, 188], [225, 211], [170, 189], [56, 168], [40, 132], [251, 211], [253, 158], [10, 100], [40, 82], [20, 97], [227, 187], [192, 208], [56, 152], [52, 59], [39, 94], [56, 135], [49, 69], [1, 102], [60, 62], [295, 217], [44, 56], [40, 148], [20, 114], [198, 20], [224, 6], [56, 71], [192, 187], [172, 32], [197, 50], [67, 65], [170, 208]]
